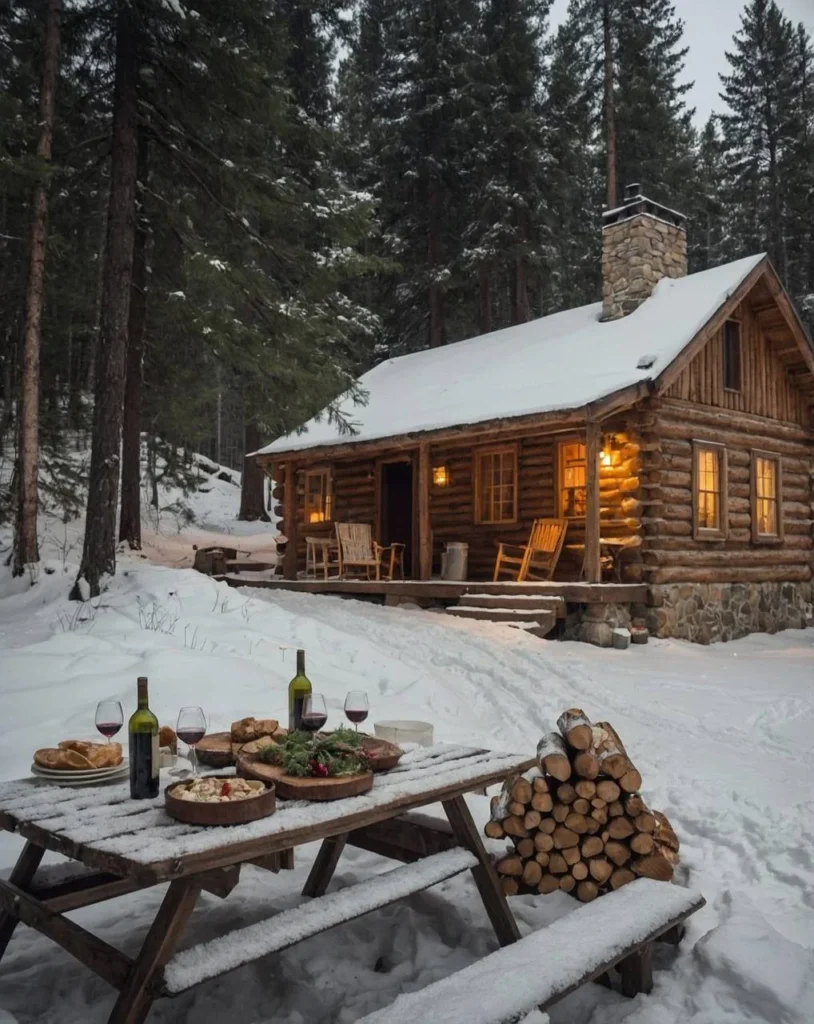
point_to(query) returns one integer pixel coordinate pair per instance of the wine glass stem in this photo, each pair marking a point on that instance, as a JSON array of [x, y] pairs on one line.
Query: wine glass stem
[[193, 760]]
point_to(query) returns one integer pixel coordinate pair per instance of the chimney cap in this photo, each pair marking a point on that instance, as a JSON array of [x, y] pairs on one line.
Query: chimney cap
[[634, 203]]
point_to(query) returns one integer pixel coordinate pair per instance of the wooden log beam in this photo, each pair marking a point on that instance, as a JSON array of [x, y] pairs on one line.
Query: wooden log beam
[[592, 569], [424, 524], [290, 519]]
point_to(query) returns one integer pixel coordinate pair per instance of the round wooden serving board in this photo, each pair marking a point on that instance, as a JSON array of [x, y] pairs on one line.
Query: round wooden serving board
[[232, 812], [215, 750], [291, 787]]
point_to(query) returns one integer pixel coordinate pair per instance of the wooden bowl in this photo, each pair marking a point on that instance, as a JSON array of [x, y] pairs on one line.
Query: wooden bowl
[[215, 750], [382, 755], [291, 787], [233, 812]]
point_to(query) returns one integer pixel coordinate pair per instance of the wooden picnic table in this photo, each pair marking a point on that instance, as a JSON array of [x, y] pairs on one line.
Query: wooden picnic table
[[122, 845]]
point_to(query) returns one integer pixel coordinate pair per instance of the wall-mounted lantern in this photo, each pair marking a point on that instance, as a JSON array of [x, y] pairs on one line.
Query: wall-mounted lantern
[[440, 476]]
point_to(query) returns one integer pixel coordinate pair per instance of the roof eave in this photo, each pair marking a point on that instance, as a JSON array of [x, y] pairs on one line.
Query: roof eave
[[600, 409]]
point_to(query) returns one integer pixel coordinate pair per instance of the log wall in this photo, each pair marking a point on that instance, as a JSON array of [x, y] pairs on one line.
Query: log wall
[[452, 508], [670, 554], [766, 388]]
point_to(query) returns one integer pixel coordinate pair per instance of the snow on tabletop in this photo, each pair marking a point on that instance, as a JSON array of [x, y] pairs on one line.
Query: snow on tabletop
[[210, 959], [143, 832], [515, 979], [562, 361]]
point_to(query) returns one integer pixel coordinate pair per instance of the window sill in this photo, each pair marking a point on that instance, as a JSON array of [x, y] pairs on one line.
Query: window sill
[[715, 536], [771, 539], [733, 391]]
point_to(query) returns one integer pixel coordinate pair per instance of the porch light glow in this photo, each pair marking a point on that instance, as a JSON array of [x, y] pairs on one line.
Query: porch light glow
[[605, 457], [440, 476], [316, 517]]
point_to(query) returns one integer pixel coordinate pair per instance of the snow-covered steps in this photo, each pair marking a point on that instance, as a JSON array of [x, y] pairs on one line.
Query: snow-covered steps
[[534, 613], [244, 945]]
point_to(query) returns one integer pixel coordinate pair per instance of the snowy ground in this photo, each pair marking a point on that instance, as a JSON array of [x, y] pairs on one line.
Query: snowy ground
[[721, 735]]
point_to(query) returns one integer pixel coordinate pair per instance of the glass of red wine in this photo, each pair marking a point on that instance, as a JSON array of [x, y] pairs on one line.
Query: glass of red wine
[[356, 707], [109, 718], [314, 713], [191, 729]]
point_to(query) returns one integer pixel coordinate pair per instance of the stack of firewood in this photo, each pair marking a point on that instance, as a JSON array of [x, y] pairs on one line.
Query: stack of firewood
[[580, 825]]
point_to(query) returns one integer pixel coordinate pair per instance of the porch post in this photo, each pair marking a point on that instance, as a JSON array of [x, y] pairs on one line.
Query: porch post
[[290, 521], [592, 569], [424, 530]]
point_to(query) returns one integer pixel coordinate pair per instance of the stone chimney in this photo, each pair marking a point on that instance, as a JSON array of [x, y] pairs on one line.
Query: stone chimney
[[642, 242]]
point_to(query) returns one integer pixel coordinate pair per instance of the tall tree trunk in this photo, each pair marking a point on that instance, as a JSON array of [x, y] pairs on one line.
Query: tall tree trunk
[[99, 552], [436, 333], [130, 517], [252, 496], [26, 549], [610, 105], [485, 298], [520, 290]]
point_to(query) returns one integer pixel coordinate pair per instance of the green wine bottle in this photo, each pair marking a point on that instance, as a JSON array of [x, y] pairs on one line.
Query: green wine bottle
[[298, 689], [144, 755]]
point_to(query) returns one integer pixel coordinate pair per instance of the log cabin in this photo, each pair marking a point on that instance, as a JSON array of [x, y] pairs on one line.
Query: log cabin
[[674, 416]]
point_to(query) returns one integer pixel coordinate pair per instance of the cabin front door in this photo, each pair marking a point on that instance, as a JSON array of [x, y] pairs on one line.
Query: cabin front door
[[396, 508]]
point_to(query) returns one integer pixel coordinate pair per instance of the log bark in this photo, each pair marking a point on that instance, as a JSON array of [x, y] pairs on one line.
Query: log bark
[[553, 757], [587, 891], [617, 852], [655, 865], [99, 550], [608, 791], [586, 764], [609, 106], [130, 514], [521, 791], [575, 728], [252, 487], [620, 877], [592, 847], [26, 546]]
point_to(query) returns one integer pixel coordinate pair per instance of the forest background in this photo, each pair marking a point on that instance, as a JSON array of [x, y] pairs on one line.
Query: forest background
[[214, 217]]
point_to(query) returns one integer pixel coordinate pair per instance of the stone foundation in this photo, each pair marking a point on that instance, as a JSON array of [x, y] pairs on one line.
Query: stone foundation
[[595, 623], [702, 612], [708, 612]]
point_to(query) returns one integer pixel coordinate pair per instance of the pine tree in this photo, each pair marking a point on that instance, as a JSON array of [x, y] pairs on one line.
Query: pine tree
[[507, 109], [707, 241], [26, 547], [572, 179], [412, 94], [758, 129], [647, 126], [99, 550]]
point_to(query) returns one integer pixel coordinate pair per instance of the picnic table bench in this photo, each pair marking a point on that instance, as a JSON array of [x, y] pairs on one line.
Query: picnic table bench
[[124, 845], [549, 964]]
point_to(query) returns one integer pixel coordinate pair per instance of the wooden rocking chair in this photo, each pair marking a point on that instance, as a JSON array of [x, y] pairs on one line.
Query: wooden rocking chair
[[358, 551], [538, 559]]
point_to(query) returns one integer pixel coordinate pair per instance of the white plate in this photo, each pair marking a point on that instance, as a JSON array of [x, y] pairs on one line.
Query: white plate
[[68, 779], [80, 773]]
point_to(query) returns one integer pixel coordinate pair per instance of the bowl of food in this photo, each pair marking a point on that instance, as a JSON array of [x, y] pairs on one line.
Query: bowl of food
[[220, 800]]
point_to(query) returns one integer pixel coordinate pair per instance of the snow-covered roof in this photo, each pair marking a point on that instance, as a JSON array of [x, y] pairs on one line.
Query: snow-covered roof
[[563, 361]]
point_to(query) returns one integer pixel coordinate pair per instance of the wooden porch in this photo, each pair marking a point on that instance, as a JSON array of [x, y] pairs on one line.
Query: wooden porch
[[444, 591]]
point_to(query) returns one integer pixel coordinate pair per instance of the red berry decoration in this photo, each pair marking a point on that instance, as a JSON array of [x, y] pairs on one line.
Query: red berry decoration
[[225, 789]]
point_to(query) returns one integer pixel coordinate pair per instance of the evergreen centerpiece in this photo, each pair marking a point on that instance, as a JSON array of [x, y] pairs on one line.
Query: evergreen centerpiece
[[321, 757]]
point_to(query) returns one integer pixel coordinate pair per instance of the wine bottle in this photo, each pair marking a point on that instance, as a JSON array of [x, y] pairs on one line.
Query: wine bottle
[[298, 689], [144, 754]]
